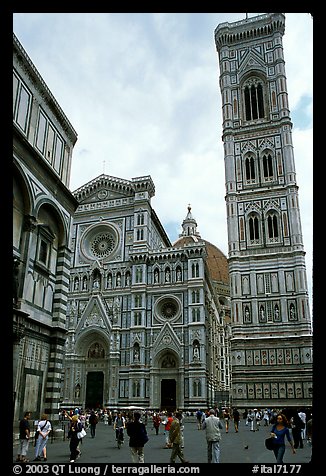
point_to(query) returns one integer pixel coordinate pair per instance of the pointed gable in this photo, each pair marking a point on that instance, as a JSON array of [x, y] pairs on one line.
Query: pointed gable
[[252, 61], [94, 317], [167, 339]]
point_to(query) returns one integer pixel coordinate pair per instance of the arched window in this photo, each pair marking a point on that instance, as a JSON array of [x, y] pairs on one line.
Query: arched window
[[267, 166], [250, 169], [140, 219], [195, 314], [272, 227], [140, 235], [195, 270], [254, 99], [253, 228], [195, 295]]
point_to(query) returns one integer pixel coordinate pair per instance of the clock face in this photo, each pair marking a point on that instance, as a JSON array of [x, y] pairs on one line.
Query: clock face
[[99, 241]]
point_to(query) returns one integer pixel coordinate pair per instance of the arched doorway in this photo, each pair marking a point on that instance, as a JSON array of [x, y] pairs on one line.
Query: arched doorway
[[168, 394], [168, 382], [94, 390]]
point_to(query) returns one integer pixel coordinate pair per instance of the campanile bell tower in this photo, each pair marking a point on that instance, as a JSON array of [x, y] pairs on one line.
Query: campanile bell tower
[[271, 325]]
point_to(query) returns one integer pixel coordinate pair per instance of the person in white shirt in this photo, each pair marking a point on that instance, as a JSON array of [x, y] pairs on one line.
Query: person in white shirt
[[303, 417], [43, 429]]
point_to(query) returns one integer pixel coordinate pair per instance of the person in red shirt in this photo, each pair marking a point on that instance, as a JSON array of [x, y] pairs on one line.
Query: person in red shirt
[[167, 429]]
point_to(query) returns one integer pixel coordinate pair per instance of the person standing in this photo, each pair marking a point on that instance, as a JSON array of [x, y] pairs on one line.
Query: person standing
[[167, 424], [136, 430], [213, 425], [156, 422], [43, 429], [75, 427], [199, 416], [279, 431], [24, 437], [93, 421], [297, 426], [303, 417], [266, 417], [226, 417], [175, 438], [236, 419]]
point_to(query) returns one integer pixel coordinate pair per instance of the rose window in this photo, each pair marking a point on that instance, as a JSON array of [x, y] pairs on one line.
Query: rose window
[[99, 241], [168, 307], [169, 310], [102, 245]]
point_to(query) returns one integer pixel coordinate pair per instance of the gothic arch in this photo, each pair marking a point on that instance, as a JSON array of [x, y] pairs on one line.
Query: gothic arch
[[254, 96], [167, 359], [88, 338], [267, 165], [249, 164], [273, 225], [253, 225]]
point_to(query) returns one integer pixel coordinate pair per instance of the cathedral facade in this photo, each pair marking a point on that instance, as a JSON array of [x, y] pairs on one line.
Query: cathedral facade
[[271, 323], [147, 321]]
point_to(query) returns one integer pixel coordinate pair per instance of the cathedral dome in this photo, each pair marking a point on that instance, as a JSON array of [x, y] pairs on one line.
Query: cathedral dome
[[216, 260]]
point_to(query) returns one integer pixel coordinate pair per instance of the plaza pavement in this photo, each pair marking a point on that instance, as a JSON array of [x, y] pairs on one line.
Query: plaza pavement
[[242, 447]]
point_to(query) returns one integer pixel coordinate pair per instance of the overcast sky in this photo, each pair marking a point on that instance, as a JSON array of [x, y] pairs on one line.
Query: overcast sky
[[142, 92]]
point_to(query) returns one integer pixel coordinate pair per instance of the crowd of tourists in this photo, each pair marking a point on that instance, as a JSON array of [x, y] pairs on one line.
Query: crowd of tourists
[[294, 425]]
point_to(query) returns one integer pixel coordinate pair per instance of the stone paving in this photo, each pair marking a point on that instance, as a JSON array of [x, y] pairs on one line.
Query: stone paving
[[242, 447]]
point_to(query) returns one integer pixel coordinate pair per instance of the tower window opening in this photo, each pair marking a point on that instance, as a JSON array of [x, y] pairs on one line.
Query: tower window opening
[[254, 100], [267, 166], [253, 228], [272, 227], [250, 169]]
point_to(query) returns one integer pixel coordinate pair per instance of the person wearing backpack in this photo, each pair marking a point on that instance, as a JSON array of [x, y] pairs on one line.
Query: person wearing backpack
[[212, 425]]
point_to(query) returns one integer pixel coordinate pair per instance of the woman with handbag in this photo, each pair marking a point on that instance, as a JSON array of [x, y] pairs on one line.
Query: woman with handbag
[[280, 430], [75, 427]]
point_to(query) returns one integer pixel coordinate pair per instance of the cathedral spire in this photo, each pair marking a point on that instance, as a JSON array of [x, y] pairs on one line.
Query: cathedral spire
[[189, 225]]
